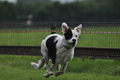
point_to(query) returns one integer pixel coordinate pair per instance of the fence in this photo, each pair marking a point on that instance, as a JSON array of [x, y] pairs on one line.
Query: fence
[[58, 24], [82, 52], [98, 39], [94, 34]]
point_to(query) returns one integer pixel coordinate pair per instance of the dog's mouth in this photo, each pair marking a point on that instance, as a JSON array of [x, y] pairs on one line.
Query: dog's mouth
[[72, 44]]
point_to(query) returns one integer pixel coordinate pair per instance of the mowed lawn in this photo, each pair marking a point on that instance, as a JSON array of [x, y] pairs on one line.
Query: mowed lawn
[[14, 67], [85, 39], [24, 39]]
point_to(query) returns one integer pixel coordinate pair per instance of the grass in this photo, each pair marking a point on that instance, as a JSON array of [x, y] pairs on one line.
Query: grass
[[26, 39], [102, 28], [18, 68], [85, 39], [99, 40], [34, 39]]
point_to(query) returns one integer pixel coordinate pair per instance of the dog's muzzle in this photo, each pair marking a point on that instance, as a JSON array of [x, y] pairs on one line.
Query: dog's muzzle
[[73, 42]]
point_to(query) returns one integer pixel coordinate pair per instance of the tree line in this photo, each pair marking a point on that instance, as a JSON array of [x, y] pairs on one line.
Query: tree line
[[83, 11]]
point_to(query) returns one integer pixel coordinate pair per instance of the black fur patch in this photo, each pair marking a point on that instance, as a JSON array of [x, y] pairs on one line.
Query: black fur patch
[[68, 34], [51, 45]]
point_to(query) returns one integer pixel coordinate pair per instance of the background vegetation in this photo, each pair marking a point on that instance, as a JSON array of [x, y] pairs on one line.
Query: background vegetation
[[86, 10]]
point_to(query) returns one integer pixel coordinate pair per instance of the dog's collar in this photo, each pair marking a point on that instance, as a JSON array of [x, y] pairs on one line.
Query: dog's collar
[[66, 47]]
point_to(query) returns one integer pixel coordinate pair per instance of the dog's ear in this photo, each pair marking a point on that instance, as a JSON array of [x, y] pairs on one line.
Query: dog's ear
[[78, 28], [64, 27]]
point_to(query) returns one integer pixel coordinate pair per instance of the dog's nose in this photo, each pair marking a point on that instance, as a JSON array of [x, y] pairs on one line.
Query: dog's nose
[[74, 40]]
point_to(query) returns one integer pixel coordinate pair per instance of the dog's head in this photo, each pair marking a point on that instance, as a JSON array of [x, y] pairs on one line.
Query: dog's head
[[71, 36]]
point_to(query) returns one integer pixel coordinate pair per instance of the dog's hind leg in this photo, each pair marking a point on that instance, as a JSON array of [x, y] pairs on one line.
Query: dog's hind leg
[[39, 65]]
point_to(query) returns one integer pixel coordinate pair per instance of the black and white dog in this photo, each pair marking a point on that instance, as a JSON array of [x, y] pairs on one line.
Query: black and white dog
[[60, 49]]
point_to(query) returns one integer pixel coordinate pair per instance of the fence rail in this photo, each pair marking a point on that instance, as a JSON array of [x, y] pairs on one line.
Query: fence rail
[[83, 52], [57, 24]]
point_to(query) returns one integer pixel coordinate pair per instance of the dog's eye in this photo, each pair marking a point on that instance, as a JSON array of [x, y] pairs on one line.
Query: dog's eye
[[76, 35]]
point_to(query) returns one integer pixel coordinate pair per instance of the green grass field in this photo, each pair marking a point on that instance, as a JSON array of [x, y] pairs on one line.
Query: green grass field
[[85, 39], [18, 68]]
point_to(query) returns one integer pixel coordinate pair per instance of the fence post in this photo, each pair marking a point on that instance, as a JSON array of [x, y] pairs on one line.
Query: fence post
[[53, 29]]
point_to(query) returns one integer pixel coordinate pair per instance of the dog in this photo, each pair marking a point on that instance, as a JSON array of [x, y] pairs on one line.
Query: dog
[[58, 48]]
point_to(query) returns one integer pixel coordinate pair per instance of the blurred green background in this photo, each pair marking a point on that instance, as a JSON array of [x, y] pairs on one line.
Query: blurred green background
[[57, 10]]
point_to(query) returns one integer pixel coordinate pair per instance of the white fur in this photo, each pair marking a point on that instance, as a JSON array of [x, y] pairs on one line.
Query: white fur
[[64, 54]]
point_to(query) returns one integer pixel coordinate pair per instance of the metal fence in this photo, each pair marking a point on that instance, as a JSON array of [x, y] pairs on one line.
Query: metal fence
[[106, 33], [98, 39], [58, 24]]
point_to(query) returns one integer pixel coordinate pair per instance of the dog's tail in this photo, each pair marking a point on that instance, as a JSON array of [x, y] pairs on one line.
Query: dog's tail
[[39, 65]]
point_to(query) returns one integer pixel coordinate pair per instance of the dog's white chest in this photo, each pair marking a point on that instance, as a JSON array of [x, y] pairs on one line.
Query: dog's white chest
[[64, 55]]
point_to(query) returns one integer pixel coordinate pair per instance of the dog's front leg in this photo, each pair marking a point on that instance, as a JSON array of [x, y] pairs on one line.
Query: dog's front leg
[[63, 70], [49, 72]]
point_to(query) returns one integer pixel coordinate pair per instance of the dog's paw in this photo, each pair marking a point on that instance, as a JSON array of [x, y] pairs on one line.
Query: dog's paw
[[48, 74], [31, 63], [58, 73], [34, 65]]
